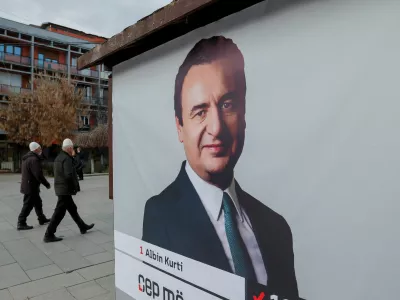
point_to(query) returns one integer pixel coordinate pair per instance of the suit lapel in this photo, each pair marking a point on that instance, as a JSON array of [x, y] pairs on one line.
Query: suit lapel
[[197, 228]]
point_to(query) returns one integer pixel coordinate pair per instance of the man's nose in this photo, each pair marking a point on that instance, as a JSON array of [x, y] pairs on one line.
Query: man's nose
[[215, 123]]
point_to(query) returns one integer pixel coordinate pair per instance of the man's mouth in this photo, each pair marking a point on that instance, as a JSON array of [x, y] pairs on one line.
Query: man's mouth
[[215, 148]]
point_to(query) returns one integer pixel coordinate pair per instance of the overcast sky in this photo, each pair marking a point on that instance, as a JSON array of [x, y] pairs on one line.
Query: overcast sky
[[101, 17]]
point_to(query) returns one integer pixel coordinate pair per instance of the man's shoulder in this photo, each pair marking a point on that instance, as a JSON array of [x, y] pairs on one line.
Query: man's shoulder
[[256, 207], [164, 201], [167, 196], [60, 157]]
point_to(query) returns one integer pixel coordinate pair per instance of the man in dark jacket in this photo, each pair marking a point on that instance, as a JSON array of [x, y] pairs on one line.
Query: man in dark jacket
[[65, 185], [79, 157], [32, 177]]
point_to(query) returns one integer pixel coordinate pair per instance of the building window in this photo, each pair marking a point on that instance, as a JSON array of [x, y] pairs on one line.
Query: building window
[[74, 61], [85, 120], [40, 60], [17, 51], [11, 50]]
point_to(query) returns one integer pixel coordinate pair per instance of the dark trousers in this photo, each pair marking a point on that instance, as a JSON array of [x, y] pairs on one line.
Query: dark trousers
[[80, 174], [64, 204], [31, 201]]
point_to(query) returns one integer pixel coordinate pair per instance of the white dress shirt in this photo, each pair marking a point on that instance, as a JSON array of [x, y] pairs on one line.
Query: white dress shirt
[[211, 197]]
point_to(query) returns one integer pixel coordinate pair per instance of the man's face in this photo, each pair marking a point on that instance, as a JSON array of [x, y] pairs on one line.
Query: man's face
[[38, 151], [70, 150], [213, 114]]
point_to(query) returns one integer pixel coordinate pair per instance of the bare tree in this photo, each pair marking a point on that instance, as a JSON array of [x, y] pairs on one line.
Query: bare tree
[[96, 138], [48, 114]]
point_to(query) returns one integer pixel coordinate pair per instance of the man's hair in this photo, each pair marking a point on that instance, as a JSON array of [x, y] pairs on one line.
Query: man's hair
[[204, 52]]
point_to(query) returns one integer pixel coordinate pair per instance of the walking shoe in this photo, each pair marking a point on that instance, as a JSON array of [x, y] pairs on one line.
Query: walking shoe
[[88, 227], [51, 239], [24, 227], [44, 221]]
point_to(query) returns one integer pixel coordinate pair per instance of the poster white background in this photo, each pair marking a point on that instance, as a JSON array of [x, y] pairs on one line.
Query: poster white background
[[322, 141]]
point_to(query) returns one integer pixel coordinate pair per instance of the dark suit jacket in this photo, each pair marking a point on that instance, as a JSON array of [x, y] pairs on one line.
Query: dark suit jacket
[[176, 220]]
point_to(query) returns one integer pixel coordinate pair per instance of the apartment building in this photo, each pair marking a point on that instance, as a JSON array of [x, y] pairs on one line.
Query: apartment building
[[26, 50]]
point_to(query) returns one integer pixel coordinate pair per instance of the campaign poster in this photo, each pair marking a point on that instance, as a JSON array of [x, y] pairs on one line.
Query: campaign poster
[[258, 157]]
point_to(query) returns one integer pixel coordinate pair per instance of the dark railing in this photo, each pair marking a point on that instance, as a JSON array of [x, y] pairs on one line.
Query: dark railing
[[95, 101], [23, 60], [9, 89], [52, 66], [85, 72], [47, 65]]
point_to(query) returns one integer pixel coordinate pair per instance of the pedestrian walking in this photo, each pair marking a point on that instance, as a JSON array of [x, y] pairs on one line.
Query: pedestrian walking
[[80, 162], [31, 179], [66, 185]]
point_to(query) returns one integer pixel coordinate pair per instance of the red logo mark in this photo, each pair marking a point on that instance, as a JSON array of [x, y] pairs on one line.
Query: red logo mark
[[140, 288], [260, 297]]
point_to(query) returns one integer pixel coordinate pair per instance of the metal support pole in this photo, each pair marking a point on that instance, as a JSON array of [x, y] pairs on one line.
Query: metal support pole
[[99, 113], [99, 83], [32, 61], [69, 63]]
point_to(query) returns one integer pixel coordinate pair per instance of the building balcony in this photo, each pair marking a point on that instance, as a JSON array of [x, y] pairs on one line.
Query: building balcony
[[85, 72], [6, 90], [11, 58], [50, 66], [95, 101], [9, 89]]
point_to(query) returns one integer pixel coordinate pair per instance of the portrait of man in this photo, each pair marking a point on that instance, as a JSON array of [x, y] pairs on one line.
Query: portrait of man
[[204, 214]]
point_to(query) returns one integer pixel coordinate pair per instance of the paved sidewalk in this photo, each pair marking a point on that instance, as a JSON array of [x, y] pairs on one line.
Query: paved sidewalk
[[79, 267]]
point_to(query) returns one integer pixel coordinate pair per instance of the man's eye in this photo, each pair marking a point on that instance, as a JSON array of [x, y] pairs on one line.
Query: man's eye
[[201, 113], [227, 105]]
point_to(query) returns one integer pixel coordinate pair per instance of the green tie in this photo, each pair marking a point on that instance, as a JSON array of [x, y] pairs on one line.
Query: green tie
[[240, 256]]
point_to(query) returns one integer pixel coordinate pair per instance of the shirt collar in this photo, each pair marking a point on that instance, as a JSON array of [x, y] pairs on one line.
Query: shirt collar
[[211, 196]]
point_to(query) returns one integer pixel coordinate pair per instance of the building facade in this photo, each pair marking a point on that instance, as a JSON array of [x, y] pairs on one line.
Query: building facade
[[26, 50]]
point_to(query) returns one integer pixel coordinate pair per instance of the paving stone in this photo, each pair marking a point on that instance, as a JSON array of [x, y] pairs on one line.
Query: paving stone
[[108, 246], [107, 283], [97, 271], [5, 210], [5, 257], [67, 233], [51, 248], [11, 217], [27, 254], [10, 235], [5, 295], [98, 224], [43, 272], [45, 285], [108, 296], [109, 230], [62, 294], [100, 258], [5, 226], [11, 275], [83, 246], [69, 260], [67, 221], [86, 290], [98, 237]]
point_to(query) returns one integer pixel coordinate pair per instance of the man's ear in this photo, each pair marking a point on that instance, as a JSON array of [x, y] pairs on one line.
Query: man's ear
[[179, 129]]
